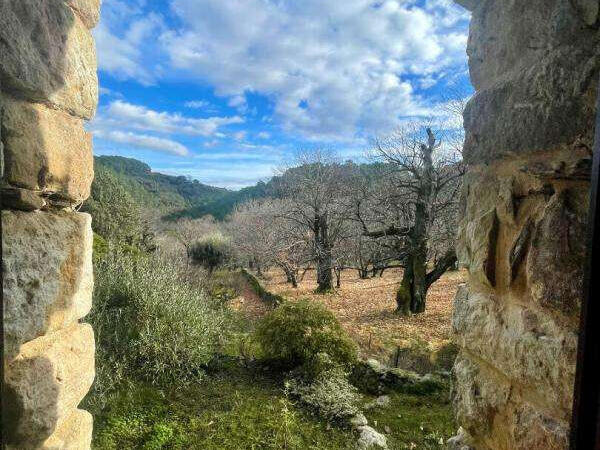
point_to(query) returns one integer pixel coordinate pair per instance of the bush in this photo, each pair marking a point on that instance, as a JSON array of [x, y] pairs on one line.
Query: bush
[[150, 324], [298, 334], [211, 251], [330, 394]]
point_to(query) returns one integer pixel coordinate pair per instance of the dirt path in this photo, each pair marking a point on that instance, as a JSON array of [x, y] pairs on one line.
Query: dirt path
[[249, 303]]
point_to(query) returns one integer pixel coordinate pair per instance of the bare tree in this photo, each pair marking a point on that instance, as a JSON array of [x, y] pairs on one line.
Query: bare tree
[[188, 231], [264, 236], [313, 189], [412, 206]]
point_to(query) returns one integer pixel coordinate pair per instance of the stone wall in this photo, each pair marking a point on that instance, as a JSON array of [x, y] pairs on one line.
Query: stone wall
[[529, 137], [48, 89]]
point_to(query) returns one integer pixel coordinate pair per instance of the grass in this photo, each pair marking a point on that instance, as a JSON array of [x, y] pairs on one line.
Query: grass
[[414, 421], [233, 410], [241, 409]]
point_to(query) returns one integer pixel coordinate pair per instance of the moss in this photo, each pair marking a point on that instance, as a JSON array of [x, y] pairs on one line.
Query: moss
[[236, 410], [403, 298], [414, 421]]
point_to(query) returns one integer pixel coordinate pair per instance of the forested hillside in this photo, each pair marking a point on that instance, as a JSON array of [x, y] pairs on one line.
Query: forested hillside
[[182, 197]]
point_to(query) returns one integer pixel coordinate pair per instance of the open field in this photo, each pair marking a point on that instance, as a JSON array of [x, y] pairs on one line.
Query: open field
[[365, 309]]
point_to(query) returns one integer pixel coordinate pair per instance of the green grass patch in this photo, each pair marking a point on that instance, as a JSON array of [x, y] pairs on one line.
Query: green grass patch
[[414, 421], [232, 410]]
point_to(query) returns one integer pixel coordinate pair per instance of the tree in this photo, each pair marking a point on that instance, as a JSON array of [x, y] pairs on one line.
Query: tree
[[211, 251], [188, 231], [264, 236], [115, 215], [314, 189], [413, 207]]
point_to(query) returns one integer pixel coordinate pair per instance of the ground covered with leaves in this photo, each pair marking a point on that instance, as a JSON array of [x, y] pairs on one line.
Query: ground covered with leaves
[[365, 308]]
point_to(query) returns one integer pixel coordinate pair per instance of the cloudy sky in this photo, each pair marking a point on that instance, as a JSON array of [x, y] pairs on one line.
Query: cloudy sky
[[227, 90]]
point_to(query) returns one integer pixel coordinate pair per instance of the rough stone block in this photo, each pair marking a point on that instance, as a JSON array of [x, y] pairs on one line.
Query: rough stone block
[[75, 433], [23, 199], [87, 10], [529, 348], [48, 55], [46, 150], [508, 38], [558, 249], [45, 383], [47, 270]]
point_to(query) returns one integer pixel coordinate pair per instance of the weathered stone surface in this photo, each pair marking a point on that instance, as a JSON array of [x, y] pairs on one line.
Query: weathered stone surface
[[477, 396], [478, 246], [48, 55], [371, 439], [558, 249], [529, 348], [47, 270], [87, 10], [588, 10], [45, 383], [23, 199], [46, 150], [529, 133], [532, 63], [75, 433]]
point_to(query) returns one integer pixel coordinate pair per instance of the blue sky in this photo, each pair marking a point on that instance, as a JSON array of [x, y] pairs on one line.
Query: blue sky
[[226, 91]]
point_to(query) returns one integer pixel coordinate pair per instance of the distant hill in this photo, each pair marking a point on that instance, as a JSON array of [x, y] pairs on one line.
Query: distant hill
[[176, 196]]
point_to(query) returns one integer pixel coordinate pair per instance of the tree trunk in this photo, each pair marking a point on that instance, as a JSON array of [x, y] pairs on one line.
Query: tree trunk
[[323, 254], [412, 293], [338, 277]]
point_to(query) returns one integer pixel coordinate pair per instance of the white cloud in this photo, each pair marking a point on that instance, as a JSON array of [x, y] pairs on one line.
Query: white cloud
[[263, 135], [122, 38], [143, 141], [334, 69], [197, 104], [239, 135], [123, 114]]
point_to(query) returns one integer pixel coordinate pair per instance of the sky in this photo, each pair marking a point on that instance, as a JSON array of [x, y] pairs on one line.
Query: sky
[[227, 91]]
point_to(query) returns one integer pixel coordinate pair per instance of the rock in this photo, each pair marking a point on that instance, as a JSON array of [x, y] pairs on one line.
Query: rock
[[46, 382], [529, 348], [458, 442], [382, 401], [369, 438], [48, 55], [359, 420], [75, 433], [87, 10], [22, 199], [588, 10], [477, 396], [47, 270], [477, 250], [46, 150], [558, 248]]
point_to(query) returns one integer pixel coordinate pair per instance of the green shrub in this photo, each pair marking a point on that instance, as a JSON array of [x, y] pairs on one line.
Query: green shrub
[[211, 251], [150, 324], [330, 394], [297, 334]]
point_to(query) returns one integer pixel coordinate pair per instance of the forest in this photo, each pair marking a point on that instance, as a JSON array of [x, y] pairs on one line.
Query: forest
[[310, 292]]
